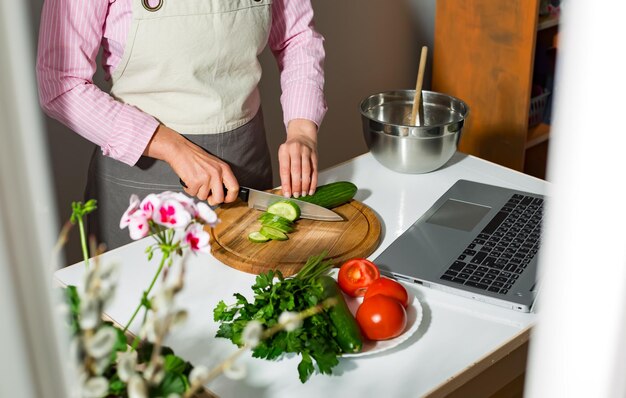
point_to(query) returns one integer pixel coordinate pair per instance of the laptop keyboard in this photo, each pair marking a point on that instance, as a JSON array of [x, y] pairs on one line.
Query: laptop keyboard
[[503, 249]]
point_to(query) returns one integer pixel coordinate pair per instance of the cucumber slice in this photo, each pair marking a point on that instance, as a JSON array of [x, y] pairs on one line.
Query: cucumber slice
[[271, 218], [286, 209], [257, 237], [273, 233], [284, 228]]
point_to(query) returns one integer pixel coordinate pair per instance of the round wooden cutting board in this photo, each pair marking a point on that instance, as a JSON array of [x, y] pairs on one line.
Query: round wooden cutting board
[[357, 236]]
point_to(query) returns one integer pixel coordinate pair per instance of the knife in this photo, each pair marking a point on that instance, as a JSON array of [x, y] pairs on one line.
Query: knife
[[261, 200]]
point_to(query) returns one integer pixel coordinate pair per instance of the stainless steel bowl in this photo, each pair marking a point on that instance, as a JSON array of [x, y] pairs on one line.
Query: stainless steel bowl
[[407, 148]]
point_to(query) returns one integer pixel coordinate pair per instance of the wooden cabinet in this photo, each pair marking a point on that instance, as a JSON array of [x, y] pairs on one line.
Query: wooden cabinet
[[484, 53]]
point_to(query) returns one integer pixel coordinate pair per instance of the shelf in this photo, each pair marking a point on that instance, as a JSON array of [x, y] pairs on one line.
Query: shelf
[[537, 134], [547, 21]]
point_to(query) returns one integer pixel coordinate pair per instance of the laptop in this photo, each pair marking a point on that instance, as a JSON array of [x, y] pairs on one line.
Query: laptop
[[478, 241]]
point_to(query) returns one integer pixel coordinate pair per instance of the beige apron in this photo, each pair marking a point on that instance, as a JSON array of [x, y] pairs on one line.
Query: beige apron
[[192, 64]]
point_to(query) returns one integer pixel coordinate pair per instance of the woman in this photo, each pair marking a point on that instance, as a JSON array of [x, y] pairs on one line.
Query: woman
[[183, 103]]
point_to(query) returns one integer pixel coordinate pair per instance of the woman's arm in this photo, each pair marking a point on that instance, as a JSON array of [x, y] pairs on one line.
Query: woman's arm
[[299, 51], [69, 39]]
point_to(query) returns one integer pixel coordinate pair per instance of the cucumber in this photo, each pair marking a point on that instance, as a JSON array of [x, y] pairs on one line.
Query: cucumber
[[332, 195], [278, 222], [349, 335], [273, 233], [257, 237], [286, 209], [278, 226]]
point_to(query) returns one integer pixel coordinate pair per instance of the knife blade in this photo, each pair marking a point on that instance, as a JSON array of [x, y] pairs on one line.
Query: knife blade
[[261, 200]]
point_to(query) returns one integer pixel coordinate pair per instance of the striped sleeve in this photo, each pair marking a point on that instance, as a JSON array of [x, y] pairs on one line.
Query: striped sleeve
[[69, 39], [299, 52]]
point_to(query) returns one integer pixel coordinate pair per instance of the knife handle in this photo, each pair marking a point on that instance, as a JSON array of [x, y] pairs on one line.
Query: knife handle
[[243, 192]]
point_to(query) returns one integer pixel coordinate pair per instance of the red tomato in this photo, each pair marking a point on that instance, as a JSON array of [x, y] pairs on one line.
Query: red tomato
[[381, 317], [388, 287], [356, 275]]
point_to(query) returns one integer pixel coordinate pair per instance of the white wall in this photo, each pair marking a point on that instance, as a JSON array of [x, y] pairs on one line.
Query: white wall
[[371, 46]]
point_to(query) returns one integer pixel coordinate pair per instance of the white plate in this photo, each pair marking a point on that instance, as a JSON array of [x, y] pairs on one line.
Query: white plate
[[414, 318]]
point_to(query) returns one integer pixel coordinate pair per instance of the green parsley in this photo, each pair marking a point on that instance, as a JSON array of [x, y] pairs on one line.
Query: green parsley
[[273, 294]]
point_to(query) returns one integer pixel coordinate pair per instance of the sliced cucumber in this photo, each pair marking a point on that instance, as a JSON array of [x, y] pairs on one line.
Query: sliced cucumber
[[279, 226], [286, 209], [273, 233], [274, 218], [257, 237]]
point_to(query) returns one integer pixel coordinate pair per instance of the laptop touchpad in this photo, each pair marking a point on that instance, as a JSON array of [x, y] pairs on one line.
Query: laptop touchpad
[[459, 215]]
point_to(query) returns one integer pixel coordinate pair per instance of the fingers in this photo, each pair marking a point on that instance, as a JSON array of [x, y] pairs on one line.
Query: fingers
[[298, 169], [296, 172], [225, 179], [204, 175], [231, 184], [216, 195], [191, 190], [284, 169], [313, 184], [203, 192]]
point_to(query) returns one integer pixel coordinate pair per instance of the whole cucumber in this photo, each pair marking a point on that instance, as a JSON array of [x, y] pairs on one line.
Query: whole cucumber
[[332, 195], [349, 335]]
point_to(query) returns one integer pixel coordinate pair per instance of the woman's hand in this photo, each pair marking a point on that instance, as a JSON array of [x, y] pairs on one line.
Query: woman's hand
[[202, 172], [297, 159]]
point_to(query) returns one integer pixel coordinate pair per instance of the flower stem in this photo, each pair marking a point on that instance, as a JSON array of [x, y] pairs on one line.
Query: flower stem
[[136, 339], [166, 254], [83, 241]]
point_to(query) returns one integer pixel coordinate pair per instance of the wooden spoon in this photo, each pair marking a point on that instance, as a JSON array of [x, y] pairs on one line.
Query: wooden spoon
[[418, 87]]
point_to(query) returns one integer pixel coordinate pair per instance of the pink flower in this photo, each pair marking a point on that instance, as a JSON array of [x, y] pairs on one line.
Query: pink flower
[[138, 227], [187, 202], [206, 215], [178, 196], [149, 204], [171, 213], [134, 206], [198, 238], [135, 219]]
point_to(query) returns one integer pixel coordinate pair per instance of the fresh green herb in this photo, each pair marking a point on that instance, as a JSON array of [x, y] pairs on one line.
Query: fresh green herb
[[273, 294]]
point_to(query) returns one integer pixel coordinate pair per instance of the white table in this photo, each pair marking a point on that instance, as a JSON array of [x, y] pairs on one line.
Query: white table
[[458, 337]]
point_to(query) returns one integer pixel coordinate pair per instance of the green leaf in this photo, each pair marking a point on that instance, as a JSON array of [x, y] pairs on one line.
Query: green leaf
[[325, 361], [73, 301], [220, 312], [225, 330], [241, 300], [172, 383], [305, 368], [175, 364], [120, 344], [264, 280], [116, 386]]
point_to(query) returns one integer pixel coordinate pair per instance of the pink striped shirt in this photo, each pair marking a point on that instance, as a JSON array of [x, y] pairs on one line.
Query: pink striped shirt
[[72, 32]]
